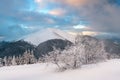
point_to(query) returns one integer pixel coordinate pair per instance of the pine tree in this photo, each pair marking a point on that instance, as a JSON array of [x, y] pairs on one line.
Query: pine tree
[[17, 60], [9, 61], [1, 62], [14, 61], [5, 61], [32, 58]]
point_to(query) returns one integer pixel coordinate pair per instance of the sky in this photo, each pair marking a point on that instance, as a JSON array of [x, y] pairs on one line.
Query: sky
[[22, 17]]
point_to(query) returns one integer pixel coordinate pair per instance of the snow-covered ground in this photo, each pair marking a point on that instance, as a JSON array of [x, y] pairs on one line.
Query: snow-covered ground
[[109, 70]]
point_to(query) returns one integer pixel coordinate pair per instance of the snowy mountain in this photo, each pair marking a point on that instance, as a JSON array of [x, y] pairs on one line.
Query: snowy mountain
[[47, 34], [47, 46]]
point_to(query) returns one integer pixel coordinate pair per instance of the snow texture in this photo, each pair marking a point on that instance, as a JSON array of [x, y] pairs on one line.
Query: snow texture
[[109, 70]]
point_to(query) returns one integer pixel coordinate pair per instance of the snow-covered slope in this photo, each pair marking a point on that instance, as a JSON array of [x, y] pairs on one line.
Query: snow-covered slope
[[109, 70], [47, 34]]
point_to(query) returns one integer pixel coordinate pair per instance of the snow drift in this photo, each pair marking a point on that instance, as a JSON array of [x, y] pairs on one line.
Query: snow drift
[[109, 70]]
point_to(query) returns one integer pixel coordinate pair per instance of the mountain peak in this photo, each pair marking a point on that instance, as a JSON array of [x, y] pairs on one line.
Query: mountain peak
[[47, 34]]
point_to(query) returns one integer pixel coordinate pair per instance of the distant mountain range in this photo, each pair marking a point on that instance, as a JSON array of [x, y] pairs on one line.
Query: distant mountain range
[[14, 48], [19, 47], [43, 42]]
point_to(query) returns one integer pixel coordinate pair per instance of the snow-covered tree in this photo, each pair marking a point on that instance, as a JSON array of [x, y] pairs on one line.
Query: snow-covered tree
[[9, 61], [82, 52], [13, 61], [94, 53], [53, 57], [27, 58], [72, 57], [1, 62], [17, 60], [5, 61], [32, 58], [78, 38]]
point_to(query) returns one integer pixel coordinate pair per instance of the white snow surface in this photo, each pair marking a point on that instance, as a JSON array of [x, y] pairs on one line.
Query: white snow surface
[[109, 70], [47, 34]]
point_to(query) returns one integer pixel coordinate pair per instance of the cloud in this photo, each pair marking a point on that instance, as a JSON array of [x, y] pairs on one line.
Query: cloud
[[81, 27], [12, 32], [9, 7], [1, 38], [74, 3], [66, 3], [40, 19], [100, 16], [77, 3], [57, 12], [91, 33], [27, 27], [103, 17], [38, 1]]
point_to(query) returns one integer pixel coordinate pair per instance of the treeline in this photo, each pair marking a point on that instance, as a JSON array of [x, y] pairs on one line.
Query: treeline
[[14, 48], [27, 58]]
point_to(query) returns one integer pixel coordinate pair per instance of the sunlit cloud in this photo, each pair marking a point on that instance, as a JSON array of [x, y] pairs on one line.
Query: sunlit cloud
[[76, 3], [38, 1], [90, 33], [57, 12], [72, 33]]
